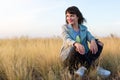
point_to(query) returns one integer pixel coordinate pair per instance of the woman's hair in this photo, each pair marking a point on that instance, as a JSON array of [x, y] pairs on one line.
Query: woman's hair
[[75, 10]]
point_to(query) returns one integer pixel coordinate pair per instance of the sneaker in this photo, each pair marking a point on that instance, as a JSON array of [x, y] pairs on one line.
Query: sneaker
[[103, 72], [81, 71]]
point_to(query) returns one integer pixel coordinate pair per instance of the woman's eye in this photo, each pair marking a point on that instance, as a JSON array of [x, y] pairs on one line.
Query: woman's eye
[[66, 15], [72, 15]]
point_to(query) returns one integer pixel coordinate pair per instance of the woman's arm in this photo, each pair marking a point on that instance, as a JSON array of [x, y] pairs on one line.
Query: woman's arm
[[93, 44], [66, 36]]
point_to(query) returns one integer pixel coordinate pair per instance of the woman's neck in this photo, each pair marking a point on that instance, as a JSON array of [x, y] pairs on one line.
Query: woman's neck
[[75, 27]]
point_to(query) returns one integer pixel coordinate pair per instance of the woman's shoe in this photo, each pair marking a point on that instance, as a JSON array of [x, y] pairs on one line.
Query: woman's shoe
[[103, 72], [81, 71]]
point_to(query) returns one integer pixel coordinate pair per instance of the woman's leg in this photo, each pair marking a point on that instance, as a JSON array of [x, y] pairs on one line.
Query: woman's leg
[[73, 60], [92, 57]]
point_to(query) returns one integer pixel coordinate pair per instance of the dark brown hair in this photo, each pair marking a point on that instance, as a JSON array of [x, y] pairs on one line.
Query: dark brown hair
[[75, 10]]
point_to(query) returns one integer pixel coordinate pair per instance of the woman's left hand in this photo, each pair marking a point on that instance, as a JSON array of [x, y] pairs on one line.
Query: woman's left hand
[[93, 47]]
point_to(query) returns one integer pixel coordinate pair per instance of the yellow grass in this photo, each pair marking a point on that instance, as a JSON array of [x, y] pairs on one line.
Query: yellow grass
[[38, 59]]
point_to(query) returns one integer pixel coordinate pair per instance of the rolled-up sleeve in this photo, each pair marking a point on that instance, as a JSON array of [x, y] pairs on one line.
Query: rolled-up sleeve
[[66, 36]]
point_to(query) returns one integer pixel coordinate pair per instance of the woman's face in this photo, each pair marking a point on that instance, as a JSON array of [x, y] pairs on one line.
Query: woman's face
[[71, 18]]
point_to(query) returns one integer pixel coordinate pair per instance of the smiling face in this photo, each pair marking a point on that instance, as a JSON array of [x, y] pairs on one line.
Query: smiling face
[[71, 18], [73, 15]]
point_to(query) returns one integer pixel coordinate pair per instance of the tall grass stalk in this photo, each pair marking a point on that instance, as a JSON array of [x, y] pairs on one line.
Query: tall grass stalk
[[38, 59]]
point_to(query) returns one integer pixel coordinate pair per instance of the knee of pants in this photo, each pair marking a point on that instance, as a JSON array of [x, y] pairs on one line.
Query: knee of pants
[[100, 45]]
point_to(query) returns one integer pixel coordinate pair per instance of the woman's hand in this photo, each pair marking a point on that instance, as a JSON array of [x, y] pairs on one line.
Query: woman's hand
[[93, 47], [79, 48]]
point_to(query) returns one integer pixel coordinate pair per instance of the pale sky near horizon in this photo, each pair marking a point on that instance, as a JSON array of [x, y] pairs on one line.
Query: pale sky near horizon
[[44, 18]]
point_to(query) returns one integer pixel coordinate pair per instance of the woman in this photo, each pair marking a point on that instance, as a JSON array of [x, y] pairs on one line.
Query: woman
[[75, 48]]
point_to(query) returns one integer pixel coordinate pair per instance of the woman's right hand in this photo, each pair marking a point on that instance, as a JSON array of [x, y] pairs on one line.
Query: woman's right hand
[[79, 48]]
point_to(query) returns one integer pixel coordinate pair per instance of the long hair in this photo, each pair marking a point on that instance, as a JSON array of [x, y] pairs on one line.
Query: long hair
[[75, 10]]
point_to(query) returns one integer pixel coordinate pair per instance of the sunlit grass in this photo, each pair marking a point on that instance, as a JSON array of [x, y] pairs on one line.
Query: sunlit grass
[[38, 59]]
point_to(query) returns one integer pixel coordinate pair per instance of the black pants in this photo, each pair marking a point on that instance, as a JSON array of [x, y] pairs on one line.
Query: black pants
[[75, 58]]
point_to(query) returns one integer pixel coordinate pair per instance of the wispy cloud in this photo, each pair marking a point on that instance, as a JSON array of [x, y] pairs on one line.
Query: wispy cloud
[[35, 16], [20, 16], [16, 8]]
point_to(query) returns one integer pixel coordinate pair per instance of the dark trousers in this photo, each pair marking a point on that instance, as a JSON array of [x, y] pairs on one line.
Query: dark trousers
[[75, 58]]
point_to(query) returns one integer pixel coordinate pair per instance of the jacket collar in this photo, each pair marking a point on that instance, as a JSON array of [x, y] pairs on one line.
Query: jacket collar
[[82, 27]]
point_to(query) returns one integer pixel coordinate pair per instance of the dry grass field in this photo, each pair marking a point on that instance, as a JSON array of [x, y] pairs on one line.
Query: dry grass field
[[38, 59]]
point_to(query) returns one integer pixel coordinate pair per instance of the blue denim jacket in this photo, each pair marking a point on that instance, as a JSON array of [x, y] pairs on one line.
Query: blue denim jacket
[[69, 40]]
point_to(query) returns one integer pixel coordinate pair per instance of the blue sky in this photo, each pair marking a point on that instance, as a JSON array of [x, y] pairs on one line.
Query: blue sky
[[44, 18]]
